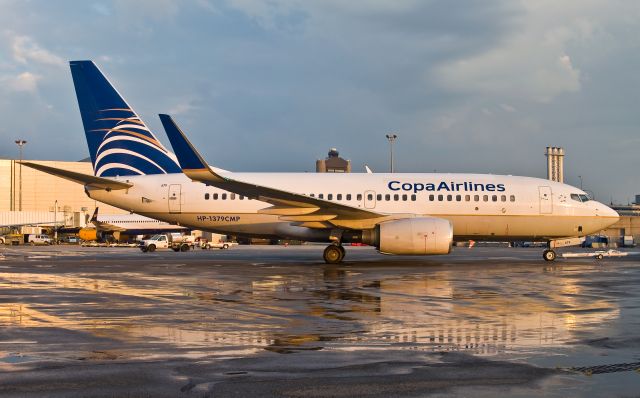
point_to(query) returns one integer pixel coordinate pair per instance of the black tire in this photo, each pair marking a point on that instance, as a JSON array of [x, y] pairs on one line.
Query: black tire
[[144, 249], [549, 255], [207, 246], [184, 248], [333, 254], [151, 248], [225, 246], [344, 252], [175, 249]]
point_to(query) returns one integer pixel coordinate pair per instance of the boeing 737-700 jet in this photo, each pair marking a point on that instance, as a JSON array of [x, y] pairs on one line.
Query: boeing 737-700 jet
[[403, 213]]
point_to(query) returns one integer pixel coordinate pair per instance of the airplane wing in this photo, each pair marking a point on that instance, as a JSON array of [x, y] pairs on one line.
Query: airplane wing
[[80, 178], [290, 206]]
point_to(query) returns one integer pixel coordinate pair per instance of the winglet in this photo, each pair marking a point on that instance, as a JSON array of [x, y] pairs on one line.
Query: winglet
[[191, 162]]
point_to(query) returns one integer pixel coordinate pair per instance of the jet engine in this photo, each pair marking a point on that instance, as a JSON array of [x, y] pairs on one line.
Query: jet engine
[[411, 236]]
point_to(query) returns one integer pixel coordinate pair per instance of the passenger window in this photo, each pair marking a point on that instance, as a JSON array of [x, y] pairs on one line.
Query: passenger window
[[503, 198], [206, 196], [440, 198], [379, 196], [396, 197], [404, 197], [313, 195], [321, 195], [494, 198], [224, 196], [485, 198], [431, 197], [339, 196], [513, 198], [348, 196], [232, 196], [449, 198], [215, 196], [458, 198], [359, 196], [413, 198], [330, 196], [476, 198], [241, 197], [387, 197], [369, 196]]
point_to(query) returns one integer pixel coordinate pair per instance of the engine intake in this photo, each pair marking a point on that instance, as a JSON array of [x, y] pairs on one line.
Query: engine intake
[[412, 236]]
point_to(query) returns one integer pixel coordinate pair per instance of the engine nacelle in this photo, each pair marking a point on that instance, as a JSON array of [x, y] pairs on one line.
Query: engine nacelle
[[412, 236]]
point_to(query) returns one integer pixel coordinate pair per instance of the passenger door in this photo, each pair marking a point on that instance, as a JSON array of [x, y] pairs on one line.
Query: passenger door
[[175, 198], [369, 200], [546, 200]]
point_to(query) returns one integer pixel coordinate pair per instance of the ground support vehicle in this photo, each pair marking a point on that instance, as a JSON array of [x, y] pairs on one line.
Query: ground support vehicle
[[176, 242]]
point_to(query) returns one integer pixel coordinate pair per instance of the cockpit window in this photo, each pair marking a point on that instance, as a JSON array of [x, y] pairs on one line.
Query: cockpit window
[[580, 197]]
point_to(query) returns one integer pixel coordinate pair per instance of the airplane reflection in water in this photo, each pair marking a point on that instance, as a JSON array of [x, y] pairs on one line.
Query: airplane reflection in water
[[480, 311]]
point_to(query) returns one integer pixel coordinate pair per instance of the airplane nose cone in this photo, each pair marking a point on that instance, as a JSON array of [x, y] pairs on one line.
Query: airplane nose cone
[[608, 215]]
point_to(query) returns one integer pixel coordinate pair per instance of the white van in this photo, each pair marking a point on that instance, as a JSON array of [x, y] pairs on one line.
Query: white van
[[39, 239]]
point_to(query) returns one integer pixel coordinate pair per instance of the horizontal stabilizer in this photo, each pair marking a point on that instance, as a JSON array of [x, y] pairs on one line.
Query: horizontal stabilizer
[[80, 178]]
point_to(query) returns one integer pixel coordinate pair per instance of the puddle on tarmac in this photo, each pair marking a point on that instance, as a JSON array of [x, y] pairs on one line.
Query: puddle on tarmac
[[15, 358], [480, 310]]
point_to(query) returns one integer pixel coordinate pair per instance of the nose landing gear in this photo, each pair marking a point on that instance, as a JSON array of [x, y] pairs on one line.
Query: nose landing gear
[[334, 254]]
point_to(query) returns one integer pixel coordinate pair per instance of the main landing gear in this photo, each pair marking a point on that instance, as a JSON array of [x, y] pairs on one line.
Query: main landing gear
[[549, 255], [334, 254]]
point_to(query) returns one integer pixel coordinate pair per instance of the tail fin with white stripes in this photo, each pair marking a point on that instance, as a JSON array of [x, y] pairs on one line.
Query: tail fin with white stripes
[[120, 143]]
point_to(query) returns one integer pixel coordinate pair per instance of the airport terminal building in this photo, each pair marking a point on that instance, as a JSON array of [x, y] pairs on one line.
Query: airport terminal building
[[28, 195]]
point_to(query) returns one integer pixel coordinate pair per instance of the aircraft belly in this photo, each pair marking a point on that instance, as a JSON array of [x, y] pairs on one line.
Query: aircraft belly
[[518, 226]]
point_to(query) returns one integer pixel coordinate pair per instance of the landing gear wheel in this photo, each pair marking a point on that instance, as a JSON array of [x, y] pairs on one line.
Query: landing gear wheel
[[344, 252], [333, 254], [549, 255], [599, 257]]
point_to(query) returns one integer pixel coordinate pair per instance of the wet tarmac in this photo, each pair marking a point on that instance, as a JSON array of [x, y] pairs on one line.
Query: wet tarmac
[[277, 321]]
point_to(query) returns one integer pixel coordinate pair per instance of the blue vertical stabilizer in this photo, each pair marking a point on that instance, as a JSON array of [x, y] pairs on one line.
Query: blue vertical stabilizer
[[120, 143]]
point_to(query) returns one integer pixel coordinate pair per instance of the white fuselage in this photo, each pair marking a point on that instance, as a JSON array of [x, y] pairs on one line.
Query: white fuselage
[[135, 223], [479, 206]]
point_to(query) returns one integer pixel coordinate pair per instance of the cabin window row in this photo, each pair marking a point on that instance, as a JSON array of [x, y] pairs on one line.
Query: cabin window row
[[474, 198], [223, 196], [387, 197]]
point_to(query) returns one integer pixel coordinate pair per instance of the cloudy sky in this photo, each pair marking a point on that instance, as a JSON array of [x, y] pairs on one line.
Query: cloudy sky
[[469, 86]]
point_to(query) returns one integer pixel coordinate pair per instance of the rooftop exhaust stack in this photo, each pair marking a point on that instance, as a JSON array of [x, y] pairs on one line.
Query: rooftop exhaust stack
[[555, 163]]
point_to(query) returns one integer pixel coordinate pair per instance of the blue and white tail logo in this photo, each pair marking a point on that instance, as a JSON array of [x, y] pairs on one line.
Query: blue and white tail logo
[[120, 143]]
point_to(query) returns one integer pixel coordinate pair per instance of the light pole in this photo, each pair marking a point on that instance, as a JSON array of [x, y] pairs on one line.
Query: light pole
[[392, 139], [580, 177], [20, 144], [55, 222]]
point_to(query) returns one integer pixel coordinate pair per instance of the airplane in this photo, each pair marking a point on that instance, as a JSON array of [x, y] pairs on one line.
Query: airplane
[[398, 213], [121, 225]]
